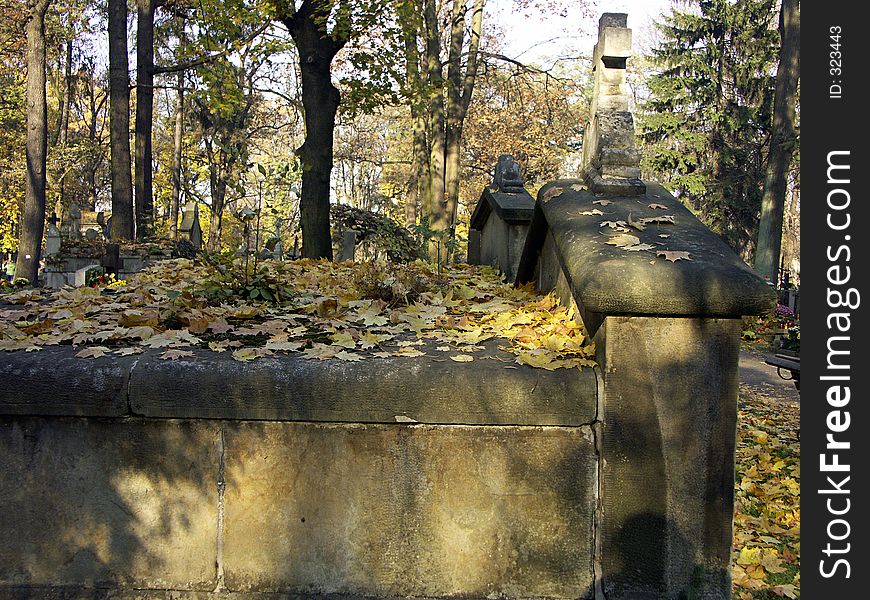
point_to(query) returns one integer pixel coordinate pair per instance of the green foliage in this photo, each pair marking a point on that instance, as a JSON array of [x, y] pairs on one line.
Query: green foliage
[[231, 278], [707, 121], [379, 235]]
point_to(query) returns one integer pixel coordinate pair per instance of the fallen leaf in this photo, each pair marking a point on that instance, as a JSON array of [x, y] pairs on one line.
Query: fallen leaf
[[93, 352], [602, 202], [592, 213], [622, 240], [176, 354], [128, 351], [613, 224], [462, 358], [551, 193], [284, 346], [673, 255], [658, 206]]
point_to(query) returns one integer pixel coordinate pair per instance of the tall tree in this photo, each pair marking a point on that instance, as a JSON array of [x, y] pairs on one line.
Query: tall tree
[[782, 143], [460, 86], [707, 122], [410, 21], [178, 144], [33, 219], [144, 116], [317, 46], [119, 122], [434, 200], [223, 110]]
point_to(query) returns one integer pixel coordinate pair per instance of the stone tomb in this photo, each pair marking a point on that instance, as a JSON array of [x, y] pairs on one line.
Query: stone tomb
[[190, 229], [500, 220]]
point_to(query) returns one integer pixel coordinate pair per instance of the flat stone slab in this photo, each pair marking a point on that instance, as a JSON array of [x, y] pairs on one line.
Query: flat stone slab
[[54, 382], [426, 389], [410, 511], [608, 279], [108, 503]]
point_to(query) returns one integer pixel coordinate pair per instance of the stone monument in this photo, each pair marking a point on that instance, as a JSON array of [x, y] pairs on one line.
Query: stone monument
[[501, 219], [611, 159], [52, 237], [190, 228]]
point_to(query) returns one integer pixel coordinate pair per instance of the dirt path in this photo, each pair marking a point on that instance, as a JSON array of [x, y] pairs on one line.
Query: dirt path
[[763, 379]]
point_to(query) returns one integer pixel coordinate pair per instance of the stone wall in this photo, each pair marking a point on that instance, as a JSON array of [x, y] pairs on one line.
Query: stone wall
[[143, 476]]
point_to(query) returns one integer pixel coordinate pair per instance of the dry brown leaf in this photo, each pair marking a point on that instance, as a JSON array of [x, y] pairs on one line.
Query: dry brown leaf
[[175, 354], [551, 193], [673, 255], [93, 352], [623, 240]]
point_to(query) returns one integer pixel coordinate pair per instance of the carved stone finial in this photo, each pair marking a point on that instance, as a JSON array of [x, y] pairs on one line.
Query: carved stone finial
[[611, 159], [507, 174]]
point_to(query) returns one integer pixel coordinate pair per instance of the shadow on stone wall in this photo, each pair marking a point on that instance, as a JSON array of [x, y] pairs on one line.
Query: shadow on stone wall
[[105, 503]]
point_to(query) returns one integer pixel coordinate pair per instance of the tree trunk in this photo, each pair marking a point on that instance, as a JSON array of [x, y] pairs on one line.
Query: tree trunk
[[419, 166], [63, 133], [460, 89], [176, 158], [434, 205], [320, 100], [119, 122], [144, 116], [781, 143], [33, 220], [218, 197], [410, 20]]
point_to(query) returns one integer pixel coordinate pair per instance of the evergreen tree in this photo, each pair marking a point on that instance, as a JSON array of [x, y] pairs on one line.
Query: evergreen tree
[[707, 122]]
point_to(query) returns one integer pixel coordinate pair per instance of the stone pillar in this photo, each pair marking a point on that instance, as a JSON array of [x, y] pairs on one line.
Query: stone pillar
[[667, 444], [663, 305], [611, 159]]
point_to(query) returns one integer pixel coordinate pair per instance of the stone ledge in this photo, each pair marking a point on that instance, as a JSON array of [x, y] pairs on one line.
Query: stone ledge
[[607, 280], [426, 389]]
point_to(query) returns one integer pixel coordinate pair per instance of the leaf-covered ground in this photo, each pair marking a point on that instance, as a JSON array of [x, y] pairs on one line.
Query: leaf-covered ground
[[767, 500], [315, 309]]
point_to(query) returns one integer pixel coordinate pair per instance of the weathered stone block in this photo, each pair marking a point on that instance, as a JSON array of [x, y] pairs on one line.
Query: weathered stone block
[[668, 456], [410, 510], [614, 42], [129, 504], [372, 391], [54, 382]]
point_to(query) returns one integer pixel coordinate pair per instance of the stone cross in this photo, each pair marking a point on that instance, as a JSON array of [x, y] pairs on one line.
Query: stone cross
[[611, 159]]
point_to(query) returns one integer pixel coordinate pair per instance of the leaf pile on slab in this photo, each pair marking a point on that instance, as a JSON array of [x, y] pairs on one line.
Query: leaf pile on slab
[[315, 309], [766, 553]]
